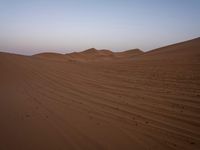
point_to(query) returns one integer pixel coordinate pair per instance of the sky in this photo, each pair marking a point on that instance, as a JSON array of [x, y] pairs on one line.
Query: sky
[[33, 26]]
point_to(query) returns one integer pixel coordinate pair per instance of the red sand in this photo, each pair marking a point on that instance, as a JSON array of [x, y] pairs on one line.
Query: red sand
[[122, 101]]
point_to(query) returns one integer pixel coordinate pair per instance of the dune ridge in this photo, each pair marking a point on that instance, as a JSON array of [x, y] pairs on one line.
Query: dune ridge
[[91, 54], [145, 101]]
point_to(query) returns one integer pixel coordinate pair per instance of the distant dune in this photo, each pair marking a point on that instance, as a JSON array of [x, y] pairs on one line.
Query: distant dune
[[90, 55], [129, 53], [99, 99]]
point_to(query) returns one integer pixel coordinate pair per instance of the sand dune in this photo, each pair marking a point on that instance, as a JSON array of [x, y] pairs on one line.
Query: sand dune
[[52, 56], [149, 101], [129, 53], [90, 55]]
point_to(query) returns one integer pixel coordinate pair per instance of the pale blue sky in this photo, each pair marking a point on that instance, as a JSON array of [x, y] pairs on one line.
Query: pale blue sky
[[32, 26]]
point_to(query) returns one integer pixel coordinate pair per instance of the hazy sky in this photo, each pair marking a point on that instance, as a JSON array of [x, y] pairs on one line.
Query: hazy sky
[[32, 26]]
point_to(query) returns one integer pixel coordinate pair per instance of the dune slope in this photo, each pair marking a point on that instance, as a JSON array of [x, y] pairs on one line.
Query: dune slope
[[149, 102]]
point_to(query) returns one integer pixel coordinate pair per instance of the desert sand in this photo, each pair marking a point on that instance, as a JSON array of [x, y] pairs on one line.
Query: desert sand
[[98, 99]]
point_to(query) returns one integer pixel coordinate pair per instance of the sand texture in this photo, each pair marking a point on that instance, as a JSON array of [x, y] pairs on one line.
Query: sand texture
[[102, 100]]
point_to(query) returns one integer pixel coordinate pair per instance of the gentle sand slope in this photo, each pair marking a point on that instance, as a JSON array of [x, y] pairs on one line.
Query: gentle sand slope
[[149, 101]]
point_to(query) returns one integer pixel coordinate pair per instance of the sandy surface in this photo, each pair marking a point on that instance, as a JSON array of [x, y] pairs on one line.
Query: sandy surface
[[146, 102]]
